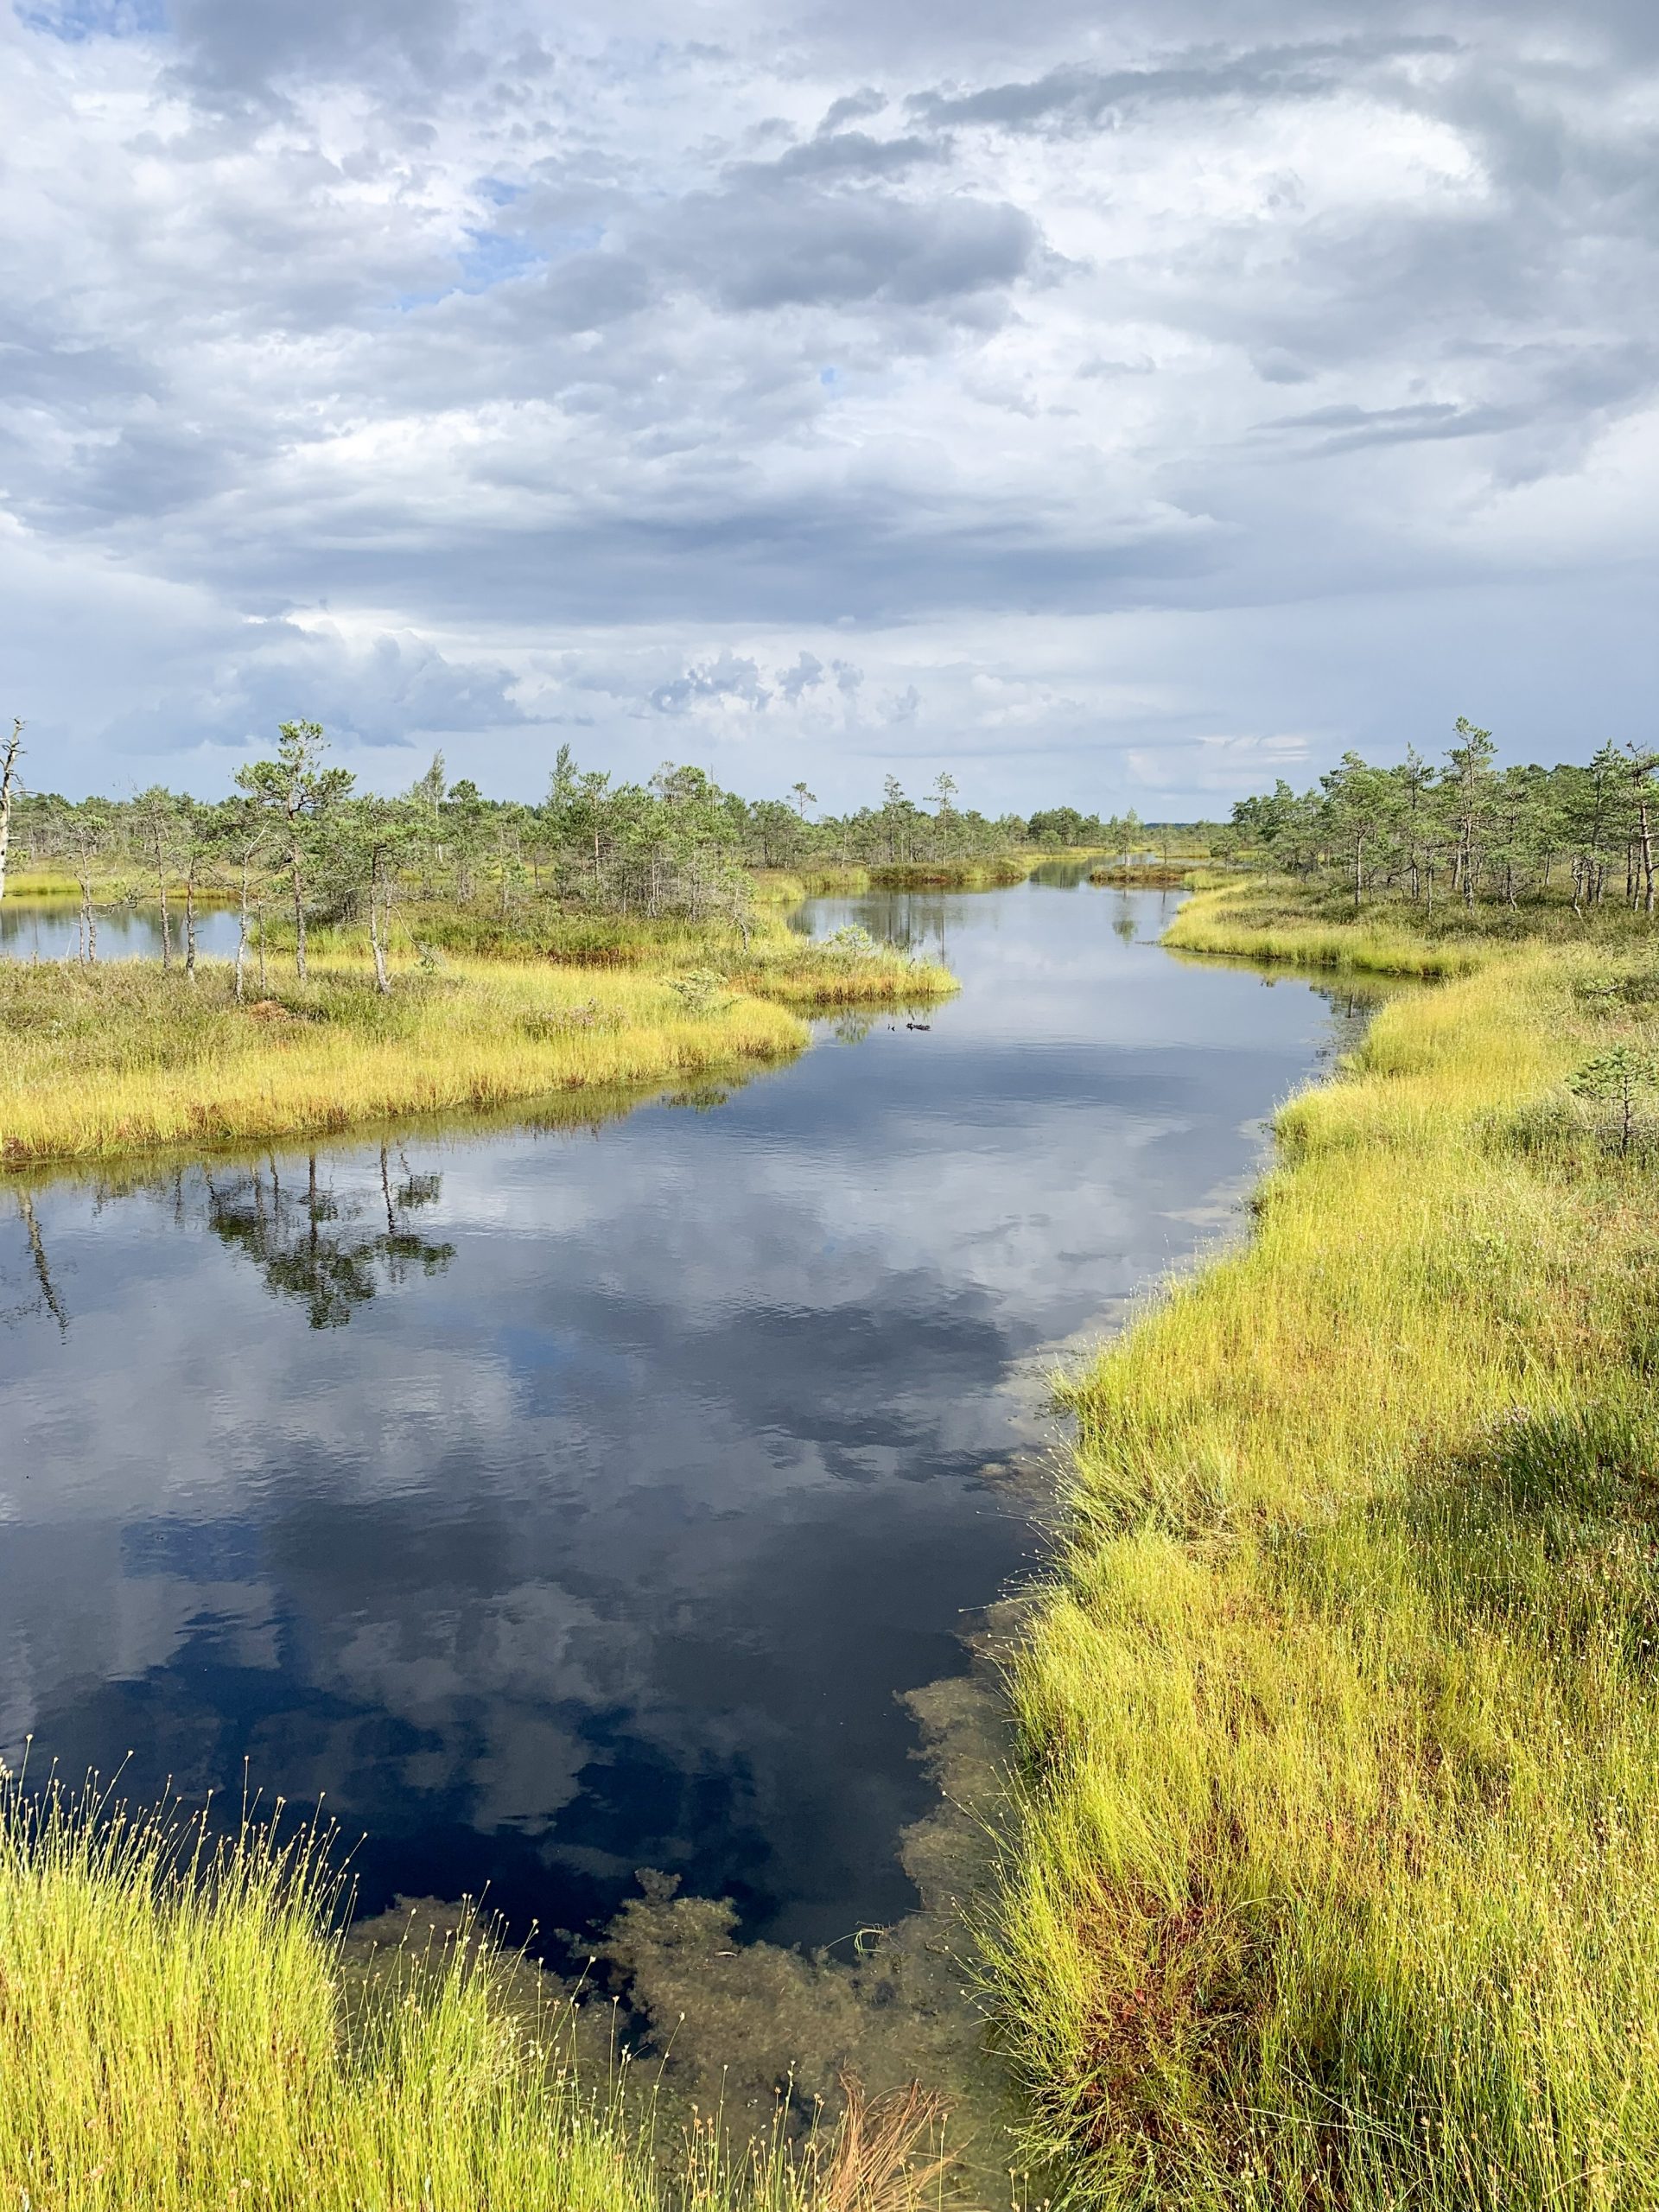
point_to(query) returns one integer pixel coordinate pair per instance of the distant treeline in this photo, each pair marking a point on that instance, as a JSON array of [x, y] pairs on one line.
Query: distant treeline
[[1468, 830], [677, 844]]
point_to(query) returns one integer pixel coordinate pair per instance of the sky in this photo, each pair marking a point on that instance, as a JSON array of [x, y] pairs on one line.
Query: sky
[[1124, 408]]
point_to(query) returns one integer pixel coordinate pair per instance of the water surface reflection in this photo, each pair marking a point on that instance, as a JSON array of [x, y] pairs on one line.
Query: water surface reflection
[[562, 1504], [51, 929]]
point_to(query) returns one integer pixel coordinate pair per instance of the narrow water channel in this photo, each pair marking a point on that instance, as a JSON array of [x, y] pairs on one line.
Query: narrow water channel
[[555, 1503], [51, 929]]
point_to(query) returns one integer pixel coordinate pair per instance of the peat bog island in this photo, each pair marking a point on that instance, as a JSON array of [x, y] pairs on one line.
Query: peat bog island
[[828, 1295]]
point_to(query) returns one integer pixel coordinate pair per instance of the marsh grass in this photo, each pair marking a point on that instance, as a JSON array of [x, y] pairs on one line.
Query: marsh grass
[[1314, 925], [764, 957], [1238, 919], [997, 873], [1155, 875], [180, 2028], [1337, 1861], [107, 1060], [784, 886], [104, 1060]]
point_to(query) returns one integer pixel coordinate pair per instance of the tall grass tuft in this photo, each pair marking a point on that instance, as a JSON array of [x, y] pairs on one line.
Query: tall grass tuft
[[1337, 1869], [178, 2031]]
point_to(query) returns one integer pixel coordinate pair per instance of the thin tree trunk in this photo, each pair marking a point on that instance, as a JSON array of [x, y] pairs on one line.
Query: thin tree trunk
[[190, 922], [8, 793], [382, 983], [299, 917], [242, 935]]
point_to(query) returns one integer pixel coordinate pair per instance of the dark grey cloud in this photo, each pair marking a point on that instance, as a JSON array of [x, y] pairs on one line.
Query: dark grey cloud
[[848, 154], [444, 324], [806, 676], [381, 691], [591, 289], [853, 107], [728, 677], [756, 248], [1081, 98], [226, 49], [1349, 429]]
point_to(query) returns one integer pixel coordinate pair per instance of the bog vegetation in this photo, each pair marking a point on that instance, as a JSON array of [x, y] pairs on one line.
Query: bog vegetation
[[299, 842], [181, 2027], [1466, 833], [1336, 1856], [399, 955]]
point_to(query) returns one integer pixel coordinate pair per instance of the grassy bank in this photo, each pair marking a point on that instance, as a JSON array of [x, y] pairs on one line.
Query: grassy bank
[[765, 957], [1314, 925], [1001, 872], [109, 1059], [998, 873], [1276, 925], [1337, 1850], [179, 2029], [1160, 875], [787, 886]]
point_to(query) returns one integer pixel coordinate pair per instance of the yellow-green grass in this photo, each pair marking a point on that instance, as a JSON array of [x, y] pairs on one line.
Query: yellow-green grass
[[1227, 920], [1336, 1863], [762, 955], [106, 1060], [1159, 875], [42, 883], [181, 2029], [56, 884], [783, 886], [788, 886], [767, 957], [998, 872]]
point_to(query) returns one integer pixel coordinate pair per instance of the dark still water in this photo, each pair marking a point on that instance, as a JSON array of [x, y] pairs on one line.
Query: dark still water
[[556, 1504]]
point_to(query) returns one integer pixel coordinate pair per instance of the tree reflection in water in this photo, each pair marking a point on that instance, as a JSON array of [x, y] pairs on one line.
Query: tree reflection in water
[[47, 1298], [332, 1256]]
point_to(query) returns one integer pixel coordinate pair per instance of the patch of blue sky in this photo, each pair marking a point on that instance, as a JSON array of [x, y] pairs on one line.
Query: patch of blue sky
[[76, 20], [494, 258], [491, 258], [497, 191]]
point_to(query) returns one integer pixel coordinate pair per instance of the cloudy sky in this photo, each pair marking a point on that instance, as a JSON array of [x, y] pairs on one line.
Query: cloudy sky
[[1125, 411]]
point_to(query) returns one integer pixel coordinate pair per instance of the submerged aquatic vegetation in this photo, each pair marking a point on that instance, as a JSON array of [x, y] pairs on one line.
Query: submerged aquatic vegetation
[[181, 2026], [1338, 1844]]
